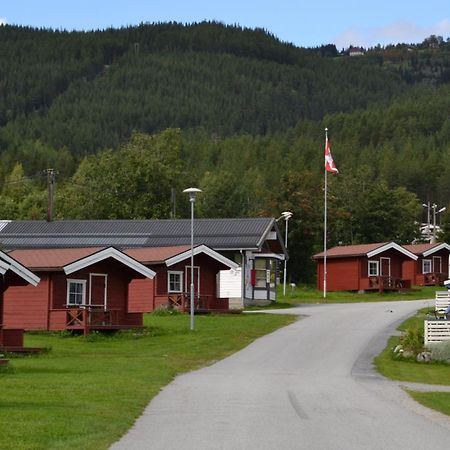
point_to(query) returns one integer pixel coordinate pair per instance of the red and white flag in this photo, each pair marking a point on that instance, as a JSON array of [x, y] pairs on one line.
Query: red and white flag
[[329, 163]]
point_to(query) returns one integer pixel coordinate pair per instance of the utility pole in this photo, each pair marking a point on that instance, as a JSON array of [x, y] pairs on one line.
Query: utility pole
[[50, 193], [173, 200]]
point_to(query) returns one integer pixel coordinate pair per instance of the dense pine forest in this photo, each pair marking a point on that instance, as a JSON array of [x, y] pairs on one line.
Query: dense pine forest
[[129, 117]]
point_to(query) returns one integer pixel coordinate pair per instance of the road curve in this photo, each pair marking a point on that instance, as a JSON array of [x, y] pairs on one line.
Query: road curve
[[309, 385]]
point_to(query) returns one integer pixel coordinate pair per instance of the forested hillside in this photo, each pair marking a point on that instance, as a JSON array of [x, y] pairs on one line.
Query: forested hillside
[[129, 117]]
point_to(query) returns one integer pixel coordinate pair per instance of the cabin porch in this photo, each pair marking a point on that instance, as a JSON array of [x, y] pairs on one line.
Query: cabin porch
[[431, 279], [382, 283], [89, 318], [202, 303]]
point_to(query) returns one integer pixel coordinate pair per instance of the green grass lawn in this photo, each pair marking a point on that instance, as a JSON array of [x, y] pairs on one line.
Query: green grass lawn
[[404, 369], [309, 294], [85, 393]]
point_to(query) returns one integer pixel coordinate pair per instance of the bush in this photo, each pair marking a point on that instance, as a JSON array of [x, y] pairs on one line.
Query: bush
[[165, 311], [413, 341], [440, 351]]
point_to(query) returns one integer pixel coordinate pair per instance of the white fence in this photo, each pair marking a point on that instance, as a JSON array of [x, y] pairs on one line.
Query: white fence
[[436, 331], [441, 303]]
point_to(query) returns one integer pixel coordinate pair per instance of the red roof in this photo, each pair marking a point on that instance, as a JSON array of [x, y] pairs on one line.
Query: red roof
[[419, 249], [51, 258], [343, 251], [155, 254], [56, 259]]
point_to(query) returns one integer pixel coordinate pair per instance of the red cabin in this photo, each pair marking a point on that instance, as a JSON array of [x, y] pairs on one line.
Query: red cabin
[[13, 274], [365, 267], [432, 265], [173, 276], [96, 289]]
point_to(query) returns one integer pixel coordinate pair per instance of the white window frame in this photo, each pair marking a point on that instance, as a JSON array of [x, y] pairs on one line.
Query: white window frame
[[381, 265], [83, 293], [180, 275], [428, 261], [377, 265]]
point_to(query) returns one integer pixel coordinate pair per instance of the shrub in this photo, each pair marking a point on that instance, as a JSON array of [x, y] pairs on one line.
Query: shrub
[[440, 351], [413, 340], [165, 311]]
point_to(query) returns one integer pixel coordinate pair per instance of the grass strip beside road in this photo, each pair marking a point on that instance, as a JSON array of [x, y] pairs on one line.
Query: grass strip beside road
[[85, 393], [309, 294], [440, 401], [408, 369]]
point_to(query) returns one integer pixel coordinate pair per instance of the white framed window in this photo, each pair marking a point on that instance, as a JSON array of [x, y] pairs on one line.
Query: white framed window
[[76, 292], [373, 268], [426, 266], [174, 281]]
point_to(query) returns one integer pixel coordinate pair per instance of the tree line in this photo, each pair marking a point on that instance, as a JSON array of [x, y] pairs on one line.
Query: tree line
[[128, 118]]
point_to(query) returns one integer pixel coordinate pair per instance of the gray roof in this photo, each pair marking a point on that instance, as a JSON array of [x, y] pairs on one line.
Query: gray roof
[[242, 233]]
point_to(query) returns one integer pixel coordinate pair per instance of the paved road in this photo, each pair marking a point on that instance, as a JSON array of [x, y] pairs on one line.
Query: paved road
[[307, 386]]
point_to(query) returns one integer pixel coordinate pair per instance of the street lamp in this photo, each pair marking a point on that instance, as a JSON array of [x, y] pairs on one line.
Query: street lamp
[[192, 194], [434, 219], [286, 216], [428, 206]]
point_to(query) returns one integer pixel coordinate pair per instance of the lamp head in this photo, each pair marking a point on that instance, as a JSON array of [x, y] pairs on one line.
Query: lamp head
[[286, 215], [192, 193]]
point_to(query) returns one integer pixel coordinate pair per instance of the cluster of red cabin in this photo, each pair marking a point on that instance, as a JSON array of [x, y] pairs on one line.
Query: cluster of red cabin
[[383, 266], [101, 288]]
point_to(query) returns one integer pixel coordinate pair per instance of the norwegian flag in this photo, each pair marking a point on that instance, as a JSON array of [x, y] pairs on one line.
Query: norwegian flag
[[329, 163]]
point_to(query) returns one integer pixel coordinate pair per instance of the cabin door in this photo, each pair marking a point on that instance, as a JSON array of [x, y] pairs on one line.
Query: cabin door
[[98, 289], [187, 273], [437, 264], [385, 264]]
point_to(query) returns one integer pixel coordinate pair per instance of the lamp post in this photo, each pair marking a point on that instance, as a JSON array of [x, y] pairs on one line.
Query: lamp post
[[434, 219], [286, 216], [192, 195], [428, 206]]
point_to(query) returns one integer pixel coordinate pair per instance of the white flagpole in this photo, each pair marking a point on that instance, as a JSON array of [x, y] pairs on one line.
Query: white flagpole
[[325, 227]]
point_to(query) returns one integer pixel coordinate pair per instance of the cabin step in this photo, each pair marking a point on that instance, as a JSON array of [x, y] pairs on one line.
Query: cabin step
[[16, 349]]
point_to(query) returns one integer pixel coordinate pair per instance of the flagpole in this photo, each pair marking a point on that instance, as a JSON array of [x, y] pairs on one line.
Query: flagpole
[[325, 227]]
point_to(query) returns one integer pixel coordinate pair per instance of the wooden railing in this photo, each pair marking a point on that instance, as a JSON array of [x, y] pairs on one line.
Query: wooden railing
[[386, 283], [182, 301], [434, 278], [90, 316]]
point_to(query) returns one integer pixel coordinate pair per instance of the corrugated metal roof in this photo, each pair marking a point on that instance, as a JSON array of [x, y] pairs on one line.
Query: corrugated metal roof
[[216, 233]]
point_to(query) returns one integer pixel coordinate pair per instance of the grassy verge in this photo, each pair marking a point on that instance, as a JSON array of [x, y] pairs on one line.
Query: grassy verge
[[440, 401], [86, 392], [308, 294], [407, 369]]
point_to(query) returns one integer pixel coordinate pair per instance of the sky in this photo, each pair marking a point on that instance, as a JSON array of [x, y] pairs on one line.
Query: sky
[[303, 23]]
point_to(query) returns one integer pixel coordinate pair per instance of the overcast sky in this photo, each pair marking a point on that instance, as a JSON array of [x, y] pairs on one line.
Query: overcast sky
[[304, 23]]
